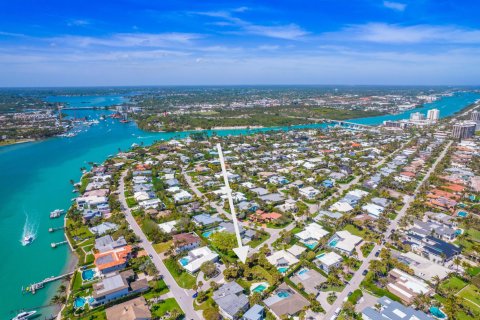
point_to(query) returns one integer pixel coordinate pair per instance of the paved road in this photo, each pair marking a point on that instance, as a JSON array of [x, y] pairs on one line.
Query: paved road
[[358, 276], [183, 296]]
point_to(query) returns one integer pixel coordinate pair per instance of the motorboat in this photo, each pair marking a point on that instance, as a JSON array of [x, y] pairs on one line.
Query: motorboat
[[24, 315]]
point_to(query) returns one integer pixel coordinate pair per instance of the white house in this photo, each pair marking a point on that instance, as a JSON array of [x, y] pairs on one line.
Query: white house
[[328, 261], [344, 242], [196, 258], [282, 259], [309, 192], [182, 196], [341, 207], [311, 234], [373, 209]]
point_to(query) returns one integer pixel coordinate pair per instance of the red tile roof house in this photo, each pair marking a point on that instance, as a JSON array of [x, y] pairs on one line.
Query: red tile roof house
[[261, 216], [186, 242]]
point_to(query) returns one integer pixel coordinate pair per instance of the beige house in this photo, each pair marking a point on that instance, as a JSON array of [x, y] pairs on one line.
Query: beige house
[[135, 309]]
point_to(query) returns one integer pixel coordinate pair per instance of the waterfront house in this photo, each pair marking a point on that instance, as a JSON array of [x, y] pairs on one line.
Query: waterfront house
[[231, 300], [117, 285], [106, 243], [113, 260], [103, 228]]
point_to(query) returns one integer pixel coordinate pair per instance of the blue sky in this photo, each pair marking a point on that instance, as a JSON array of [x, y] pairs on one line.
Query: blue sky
[[148, 42]]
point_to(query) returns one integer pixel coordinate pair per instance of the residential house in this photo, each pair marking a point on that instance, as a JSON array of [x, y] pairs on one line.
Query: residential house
[[113, 260], [344, 242], [285, 301], [257, 312], [392, 310], [406, 286], [117, 285], [185, 241], [328, 261], [196, 257], [231, 300], [135, 309]]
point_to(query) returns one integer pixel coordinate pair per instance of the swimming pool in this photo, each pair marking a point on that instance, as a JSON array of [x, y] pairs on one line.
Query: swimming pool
[[462, 214], [304, 270], [184, 261], [283, 294], [320, 255], [311, 245], [283, 269], [333, 243], [259, 288], [79, 302], [436, 312], [88, 274], [208, 233]]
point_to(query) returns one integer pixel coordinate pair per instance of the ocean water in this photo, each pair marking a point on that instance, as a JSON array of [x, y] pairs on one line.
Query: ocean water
[[34, 180]]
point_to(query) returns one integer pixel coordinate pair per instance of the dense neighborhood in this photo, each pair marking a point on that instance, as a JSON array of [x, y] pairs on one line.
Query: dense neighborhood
[[342, 223]]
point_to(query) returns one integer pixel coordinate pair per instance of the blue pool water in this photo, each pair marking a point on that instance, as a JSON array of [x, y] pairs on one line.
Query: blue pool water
[[303, 271], [184, 261], [207, 234], [283, 294], [283, 269], [88, 274], [320, 255], [79, 302], [333, 243], [311, 245], [436, 312], [260, 288], [462, 214]]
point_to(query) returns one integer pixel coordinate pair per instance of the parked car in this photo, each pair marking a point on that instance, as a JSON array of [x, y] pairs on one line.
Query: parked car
[[365, 272]]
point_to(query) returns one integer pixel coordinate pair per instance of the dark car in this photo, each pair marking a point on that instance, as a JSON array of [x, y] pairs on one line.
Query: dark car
[[195, 295], [364, 272], [151, 257], [377, 253], [349, 294]]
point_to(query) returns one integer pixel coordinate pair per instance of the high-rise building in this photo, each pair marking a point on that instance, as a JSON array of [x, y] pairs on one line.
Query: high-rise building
[[417, 116], [433, 115], [464, 130]]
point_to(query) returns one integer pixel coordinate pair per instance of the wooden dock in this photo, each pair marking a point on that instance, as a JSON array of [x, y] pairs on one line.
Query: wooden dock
[[56, 244], [55, 229], [39, 285]]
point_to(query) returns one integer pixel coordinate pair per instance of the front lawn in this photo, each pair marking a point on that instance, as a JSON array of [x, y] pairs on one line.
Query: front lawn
[[162, 246], [183, 278], [256, 242], [453, 283], [166, 306], [157, 288]]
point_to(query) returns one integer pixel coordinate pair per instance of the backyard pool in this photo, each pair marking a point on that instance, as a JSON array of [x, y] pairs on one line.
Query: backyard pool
[[88, 274], [79, 302], [311, 245], [260, 288], [283, 294], [437, 313], [304, 270], [184, 261], [208, 233], [462, 214], [320, 255], [333, 243], [283, 269]]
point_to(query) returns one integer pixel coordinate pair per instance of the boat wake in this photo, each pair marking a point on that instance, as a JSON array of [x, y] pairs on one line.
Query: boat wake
[[29, 231]]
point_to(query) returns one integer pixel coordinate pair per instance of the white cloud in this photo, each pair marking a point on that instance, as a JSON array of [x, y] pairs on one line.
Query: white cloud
[[397, 34], [78, 23], [395, 5]]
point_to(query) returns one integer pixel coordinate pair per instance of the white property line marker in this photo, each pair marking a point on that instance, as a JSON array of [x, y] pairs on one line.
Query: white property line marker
[[241, 251]]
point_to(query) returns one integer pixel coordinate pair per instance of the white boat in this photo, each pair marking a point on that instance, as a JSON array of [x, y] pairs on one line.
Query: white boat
[[56, 213], [24, 315], [27, 239]]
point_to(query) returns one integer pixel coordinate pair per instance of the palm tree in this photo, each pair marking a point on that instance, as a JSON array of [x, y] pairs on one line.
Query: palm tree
[[436, 280], [457, 261]]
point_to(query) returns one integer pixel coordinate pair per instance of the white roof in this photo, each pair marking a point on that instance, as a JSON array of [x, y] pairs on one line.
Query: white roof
[[312, 231], [358, 193], [201, 255], [296, 250], [330, 258], [277, 255], [373, 209], [341, 207], [348, 241], [168, 227]]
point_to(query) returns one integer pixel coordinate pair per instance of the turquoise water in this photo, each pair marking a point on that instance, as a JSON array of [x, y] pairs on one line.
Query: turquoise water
[[333, 243], [302, 271], [87, 101], [311, 245], [88, 274], [34, 180], [320, 255], [283, 269], [184, 261], [462, 214], [79, 302], [259, 288], [283, 294], [435, 311]]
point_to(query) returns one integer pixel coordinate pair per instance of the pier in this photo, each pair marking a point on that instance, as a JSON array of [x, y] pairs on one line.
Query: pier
[[55, 229], [56, 244], [39, 285]]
